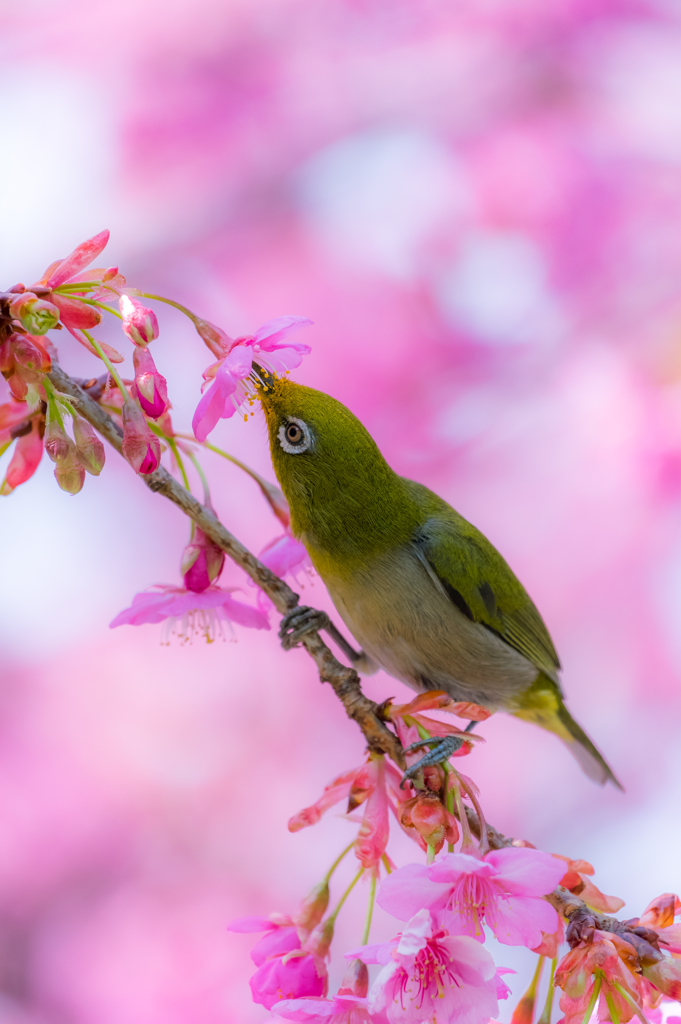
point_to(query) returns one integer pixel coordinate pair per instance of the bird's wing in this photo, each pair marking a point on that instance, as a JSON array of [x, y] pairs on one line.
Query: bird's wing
[[479, 582]]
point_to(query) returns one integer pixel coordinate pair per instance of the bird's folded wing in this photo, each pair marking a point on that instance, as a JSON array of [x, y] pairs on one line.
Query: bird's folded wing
[[480, 583]]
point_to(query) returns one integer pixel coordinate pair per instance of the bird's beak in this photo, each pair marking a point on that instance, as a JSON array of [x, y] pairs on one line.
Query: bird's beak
[[266, 386]]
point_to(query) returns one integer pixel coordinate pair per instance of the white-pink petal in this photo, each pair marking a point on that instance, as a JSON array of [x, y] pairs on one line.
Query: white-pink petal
[[526, 872]]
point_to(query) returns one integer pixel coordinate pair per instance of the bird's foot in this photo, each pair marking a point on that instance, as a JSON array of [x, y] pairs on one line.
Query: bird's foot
[[299, 623], [443, 749]]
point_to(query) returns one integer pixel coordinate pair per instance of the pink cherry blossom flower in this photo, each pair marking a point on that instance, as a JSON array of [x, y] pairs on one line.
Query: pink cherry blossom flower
[[502, 890], [577, 879], [285, 970], [150, 387], [429, 975], [189, 613], [340, 1009], [230, 381], [139, 322], [367, 783]]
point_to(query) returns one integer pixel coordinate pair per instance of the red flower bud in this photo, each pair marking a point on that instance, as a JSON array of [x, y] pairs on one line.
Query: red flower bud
[[139, 322], [36, 315], [202, 562], [141, 448], [320, 939], [89, 448], [150, 387]]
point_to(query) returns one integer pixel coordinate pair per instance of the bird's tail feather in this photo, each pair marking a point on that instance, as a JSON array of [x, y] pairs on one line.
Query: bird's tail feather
[[542, 704]]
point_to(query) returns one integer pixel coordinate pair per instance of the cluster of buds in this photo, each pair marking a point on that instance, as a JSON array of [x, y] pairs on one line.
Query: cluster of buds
[[24, 361], [73, 458]]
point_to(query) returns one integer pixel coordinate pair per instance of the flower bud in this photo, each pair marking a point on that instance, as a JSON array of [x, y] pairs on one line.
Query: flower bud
[[214, 337], [69, 473], [57, 444], [426, 820], [433, 777], [150, 388], [25, 460], [89, 448], [27, 354], [141, 448], [320, 939], [355, 980], [313, 907], [202, 562], [139, 322], [35, 315]]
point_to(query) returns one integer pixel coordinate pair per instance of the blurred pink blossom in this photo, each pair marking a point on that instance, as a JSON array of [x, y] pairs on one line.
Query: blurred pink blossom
[[189, 613], [502, 890]]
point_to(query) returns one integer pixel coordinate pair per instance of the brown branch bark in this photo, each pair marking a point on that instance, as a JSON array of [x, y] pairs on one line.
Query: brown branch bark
[[344, 681]]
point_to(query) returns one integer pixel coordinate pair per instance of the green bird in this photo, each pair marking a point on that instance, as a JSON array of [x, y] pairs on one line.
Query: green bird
[[423, 592]]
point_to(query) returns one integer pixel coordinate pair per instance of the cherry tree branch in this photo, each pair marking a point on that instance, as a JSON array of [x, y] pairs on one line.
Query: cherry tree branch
[[344, 681]]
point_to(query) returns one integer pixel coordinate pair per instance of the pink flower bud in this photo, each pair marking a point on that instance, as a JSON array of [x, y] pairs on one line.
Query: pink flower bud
[[665, 975], [141, 448], [28, 355], [69, 473], [355, 980], [139, 323], [313, 907], [214, 337], [89, 448], [57, 443], [150, 387], [36, 315], [202, 562]]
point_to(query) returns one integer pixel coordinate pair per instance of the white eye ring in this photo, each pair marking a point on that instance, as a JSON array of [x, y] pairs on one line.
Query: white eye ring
[[295, 447]]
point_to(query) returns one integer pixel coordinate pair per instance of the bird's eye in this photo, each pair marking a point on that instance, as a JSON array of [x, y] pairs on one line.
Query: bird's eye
[[294, 436]]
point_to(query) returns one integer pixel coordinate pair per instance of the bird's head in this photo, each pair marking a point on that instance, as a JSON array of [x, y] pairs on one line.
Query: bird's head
[[333, 475]]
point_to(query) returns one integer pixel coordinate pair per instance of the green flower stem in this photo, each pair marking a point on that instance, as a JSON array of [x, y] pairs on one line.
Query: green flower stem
[[204, 482], [331, 920], [525, 1009], [625, 995], [339, 858], [172, 444], [614, 1015], [107, 362], [169, 302], [370, 911], [386, 864], [548, 1005], [463, 818], [99, 305], [594, 997], [430, 855], [5, 445], [449, 798]]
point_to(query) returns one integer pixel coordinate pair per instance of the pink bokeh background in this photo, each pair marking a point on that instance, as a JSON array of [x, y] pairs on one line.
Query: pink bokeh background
[[479, 205]]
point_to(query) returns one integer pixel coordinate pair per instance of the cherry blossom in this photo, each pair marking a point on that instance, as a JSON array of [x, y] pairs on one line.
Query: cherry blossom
[[189, 613], [139, 322], [429, 975], [285, 970], [594, 971], [230, 381], [502, 890], [150, 387], [339, 1009]]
